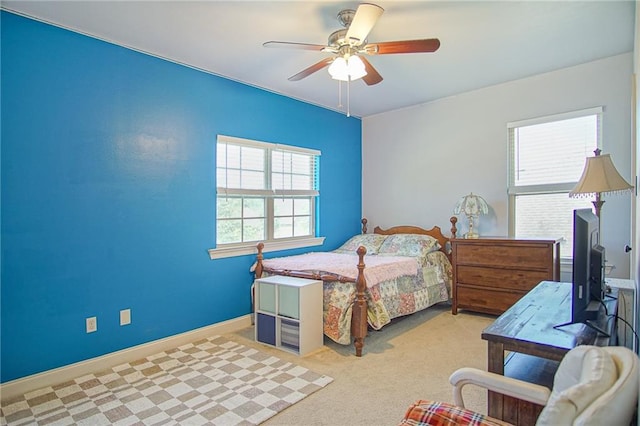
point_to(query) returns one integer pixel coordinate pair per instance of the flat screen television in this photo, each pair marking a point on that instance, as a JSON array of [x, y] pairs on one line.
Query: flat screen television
[[588, 286]]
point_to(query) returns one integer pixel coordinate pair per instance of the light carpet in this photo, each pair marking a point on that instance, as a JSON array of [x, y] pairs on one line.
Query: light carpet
[[214, 381], [409, 359]]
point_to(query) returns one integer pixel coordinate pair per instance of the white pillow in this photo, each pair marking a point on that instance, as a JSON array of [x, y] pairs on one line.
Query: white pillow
[[585, 373]]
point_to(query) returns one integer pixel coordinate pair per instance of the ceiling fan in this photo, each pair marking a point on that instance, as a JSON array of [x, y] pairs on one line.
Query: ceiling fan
[[349, 47]]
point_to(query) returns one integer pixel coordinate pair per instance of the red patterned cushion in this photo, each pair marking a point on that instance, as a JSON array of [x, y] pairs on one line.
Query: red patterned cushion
[[424, 412]]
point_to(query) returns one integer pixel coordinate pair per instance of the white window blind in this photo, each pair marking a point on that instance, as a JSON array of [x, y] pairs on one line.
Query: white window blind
[[546, 159], [265, 191]]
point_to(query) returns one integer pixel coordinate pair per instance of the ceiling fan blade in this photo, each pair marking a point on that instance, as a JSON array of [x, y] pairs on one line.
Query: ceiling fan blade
[[404, 46], [373, 76], [313, 68], [365, 18], [291, 45]]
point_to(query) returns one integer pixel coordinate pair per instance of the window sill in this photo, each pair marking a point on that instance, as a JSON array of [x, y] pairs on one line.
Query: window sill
[[219, 253]]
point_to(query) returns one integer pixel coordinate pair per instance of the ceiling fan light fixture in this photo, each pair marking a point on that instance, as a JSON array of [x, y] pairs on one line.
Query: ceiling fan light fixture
[[338, 69], [351, 68], [356, 67]]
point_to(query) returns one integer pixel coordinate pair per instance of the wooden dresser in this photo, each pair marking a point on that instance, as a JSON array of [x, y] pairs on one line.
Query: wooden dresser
[[491, 274]]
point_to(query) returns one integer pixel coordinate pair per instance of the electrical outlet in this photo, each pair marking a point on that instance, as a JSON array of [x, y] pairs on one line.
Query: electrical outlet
[[92, 324], [125, 317]]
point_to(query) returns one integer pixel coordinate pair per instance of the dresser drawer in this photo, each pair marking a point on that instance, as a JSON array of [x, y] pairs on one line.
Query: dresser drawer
[[491, 273], [530, 256], [488, 301], [514, 279]]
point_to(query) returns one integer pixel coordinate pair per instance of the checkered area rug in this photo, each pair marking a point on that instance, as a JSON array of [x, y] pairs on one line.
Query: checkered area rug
[[213, 381]]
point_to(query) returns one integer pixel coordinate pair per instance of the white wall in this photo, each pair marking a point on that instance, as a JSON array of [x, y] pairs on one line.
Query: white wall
[[418, 161]]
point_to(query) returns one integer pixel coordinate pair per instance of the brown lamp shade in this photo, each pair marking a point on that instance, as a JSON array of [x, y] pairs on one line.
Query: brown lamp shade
[[600, 176]]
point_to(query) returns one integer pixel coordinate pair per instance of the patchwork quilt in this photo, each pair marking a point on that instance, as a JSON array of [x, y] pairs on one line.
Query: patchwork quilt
[[388, 299]]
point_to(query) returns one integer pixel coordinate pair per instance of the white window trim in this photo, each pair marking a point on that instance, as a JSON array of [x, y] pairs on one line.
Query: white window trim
[[532, 189], [269, 246], [261, 144], [556, 117], [242, 249], [541, 189], [276, 193]]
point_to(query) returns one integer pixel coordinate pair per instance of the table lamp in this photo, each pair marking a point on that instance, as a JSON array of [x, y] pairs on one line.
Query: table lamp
[[472, 206], [599, 176]]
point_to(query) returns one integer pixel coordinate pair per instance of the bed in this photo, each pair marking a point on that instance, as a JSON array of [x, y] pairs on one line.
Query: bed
[[373, 278]]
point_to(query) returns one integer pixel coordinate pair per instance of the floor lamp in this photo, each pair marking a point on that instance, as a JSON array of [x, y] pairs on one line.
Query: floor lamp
[[600, 176]]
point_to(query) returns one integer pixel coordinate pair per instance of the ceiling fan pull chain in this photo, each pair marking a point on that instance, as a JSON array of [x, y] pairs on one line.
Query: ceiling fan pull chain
[[339, 94]]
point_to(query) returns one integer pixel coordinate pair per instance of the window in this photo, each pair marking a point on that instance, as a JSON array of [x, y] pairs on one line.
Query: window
[[546, 159], [265, 192]]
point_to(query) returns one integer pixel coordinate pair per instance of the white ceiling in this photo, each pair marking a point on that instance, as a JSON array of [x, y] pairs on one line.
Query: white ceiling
[[482, 42]]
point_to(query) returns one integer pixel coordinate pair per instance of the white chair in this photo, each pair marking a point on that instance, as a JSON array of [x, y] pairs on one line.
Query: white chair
[[593, 386]]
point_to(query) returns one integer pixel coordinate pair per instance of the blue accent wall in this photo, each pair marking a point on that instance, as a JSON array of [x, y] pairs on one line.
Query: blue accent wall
[[108, 193]]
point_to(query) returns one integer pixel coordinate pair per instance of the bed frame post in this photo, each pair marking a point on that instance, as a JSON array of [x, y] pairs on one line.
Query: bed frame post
[[258, 274], [359, 314], [453, 221], [259, 258], [364, 225]]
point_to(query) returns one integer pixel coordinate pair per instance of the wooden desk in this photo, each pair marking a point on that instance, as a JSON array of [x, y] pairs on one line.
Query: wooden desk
[[526, 330]]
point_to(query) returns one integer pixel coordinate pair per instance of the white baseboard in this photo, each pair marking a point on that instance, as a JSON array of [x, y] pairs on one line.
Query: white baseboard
[[69, 372]]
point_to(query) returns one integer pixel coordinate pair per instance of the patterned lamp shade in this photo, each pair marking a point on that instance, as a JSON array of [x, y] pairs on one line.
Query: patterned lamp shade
[[471, 206]]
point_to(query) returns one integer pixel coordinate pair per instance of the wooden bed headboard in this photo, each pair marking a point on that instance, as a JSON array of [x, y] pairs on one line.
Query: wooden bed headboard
[[434, 232]]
